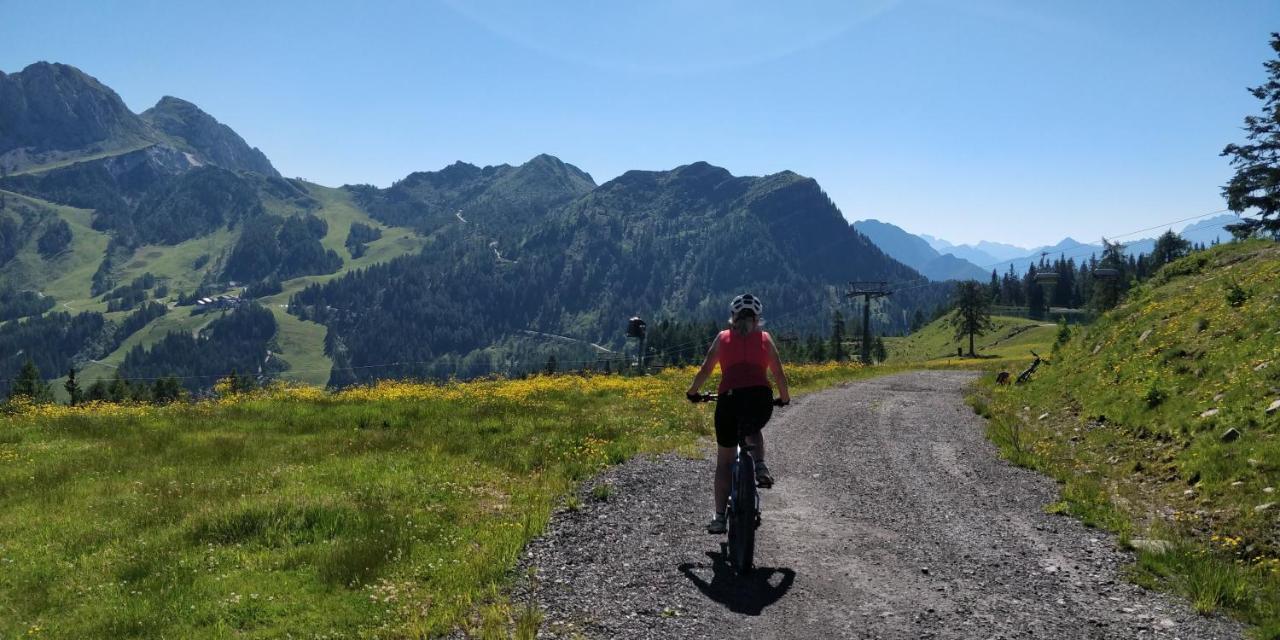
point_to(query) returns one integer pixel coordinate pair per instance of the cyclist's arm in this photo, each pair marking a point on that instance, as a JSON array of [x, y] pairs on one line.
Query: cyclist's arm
[[779, 377], [708, 366]]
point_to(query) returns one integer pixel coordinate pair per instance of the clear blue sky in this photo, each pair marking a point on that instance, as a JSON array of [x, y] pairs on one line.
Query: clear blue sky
[[1003, 120]]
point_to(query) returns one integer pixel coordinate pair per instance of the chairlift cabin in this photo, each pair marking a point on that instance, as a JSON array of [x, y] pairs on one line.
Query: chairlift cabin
[[636, 328], [1048, 278], [1106, 274]]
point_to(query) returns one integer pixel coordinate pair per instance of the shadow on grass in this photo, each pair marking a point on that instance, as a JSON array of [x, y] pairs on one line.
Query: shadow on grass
[[749, 594]]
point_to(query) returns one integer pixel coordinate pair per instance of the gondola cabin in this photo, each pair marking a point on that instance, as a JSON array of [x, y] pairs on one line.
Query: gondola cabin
[[636, 328], [1106, 274]]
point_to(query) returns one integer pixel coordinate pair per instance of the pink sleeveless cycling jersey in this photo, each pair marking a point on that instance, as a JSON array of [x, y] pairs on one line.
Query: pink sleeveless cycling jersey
[[743, 359]]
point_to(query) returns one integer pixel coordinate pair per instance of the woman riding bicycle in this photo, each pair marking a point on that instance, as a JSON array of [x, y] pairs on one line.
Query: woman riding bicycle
[[744, 353]]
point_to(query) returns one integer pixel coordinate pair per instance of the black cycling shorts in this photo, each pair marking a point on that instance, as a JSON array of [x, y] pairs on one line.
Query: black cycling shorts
[[748, 408]]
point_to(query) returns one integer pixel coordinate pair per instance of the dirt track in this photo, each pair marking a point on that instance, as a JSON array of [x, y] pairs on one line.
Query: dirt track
[[892, 518]]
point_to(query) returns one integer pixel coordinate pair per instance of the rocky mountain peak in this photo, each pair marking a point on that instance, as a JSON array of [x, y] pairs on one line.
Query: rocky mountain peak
[[50, 107], [202, 134]]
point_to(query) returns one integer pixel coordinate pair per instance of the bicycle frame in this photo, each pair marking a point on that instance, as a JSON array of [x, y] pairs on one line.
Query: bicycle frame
[[743, 509]]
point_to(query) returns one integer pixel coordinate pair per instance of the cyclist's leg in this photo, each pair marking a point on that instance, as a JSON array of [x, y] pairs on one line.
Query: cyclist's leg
[[756, 440], [724, 462], [761, 410], [726, 441]]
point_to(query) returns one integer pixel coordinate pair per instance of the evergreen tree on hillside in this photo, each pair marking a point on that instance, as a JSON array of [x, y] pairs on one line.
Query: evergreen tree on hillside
[[1035, 295], [878, 351], [1256, 183], [73, 388], [972, 313], [1169, 247], [1107, 290], [30, 385], [837, 336], [55, 239]]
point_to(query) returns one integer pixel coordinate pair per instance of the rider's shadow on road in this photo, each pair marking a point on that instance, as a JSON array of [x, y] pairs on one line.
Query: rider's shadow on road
[[749, 594]]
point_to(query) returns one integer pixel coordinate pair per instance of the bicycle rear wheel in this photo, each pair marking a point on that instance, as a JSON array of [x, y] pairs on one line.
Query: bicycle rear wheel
[[742, 522]]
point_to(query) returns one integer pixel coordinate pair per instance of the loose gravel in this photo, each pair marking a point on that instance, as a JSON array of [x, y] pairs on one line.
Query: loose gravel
[[892, 517]]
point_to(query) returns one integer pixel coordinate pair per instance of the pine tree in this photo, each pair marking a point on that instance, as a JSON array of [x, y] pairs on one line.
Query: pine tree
[[917, 321], [1256, 183], [972, 314], [817, 349], [1035, 295], [30, 384], [1169, 247], [878, 351], [73, 388], [837, 336], [1107, 291], [165, 390], [551, 364], [118, 389]]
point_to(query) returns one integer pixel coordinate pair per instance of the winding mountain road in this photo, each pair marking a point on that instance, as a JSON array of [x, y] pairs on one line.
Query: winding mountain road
[[892, 517]]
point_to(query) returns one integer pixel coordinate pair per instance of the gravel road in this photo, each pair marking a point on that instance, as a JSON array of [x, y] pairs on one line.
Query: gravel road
[[892, 517]]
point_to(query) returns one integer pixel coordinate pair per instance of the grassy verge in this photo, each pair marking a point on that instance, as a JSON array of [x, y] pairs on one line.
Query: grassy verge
[[391, 511], [1154, 421], [1007, 344]]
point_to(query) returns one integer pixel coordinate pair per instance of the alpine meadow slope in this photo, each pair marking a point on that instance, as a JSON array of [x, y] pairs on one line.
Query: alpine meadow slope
[[1161, 422]]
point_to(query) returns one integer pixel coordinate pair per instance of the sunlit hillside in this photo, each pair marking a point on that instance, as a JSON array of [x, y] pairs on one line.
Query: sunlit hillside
[[1163, 421]]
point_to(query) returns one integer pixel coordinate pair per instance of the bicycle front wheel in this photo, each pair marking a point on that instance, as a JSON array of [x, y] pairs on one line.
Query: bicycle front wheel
[[742, 526]]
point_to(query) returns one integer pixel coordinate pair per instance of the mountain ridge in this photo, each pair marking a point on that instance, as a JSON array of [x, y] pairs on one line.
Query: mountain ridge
[[443, 267], [56, 114], [187, 123], [917, 252]]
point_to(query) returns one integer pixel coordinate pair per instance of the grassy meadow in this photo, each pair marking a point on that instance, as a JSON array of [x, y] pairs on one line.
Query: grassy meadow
[[1155, 421], [396, 510], [67, 278], [1007, 345]]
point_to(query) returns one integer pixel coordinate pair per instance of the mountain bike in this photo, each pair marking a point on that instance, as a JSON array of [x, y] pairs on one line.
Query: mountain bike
[[743, 511]]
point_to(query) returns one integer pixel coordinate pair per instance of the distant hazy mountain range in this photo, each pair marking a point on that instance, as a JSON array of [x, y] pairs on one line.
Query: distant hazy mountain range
[[917, 253], [938, 259]]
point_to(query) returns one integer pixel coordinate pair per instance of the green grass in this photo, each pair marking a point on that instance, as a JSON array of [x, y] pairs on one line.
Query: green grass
[[175, 264], [1120, 419], [389, 512], [67, 276], [301, 344], [1009, 342]]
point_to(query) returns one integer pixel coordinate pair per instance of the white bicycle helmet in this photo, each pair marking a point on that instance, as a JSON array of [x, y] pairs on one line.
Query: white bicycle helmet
[[746, 301]]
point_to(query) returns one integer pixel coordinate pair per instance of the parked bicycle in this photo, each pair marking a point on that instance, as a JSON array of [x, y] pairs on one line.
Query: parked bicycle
[[743, 512]]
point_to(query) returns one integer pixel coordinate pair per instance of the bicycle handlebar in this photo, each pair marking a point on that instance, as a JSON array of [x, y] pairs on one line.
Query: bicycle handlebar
[[712, 397]]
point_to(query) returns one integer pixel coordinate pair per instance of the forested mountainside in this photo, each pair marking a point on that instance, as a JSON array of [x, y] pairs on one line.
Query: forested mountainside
[[128, 242], [660, 244]]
